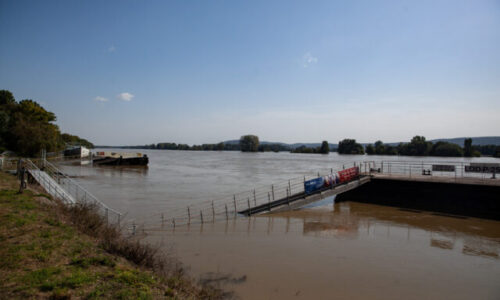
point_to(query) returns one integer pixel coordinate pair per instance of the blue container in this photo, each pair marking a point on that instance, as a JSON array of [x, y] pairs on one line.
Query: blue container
[[313, 185]]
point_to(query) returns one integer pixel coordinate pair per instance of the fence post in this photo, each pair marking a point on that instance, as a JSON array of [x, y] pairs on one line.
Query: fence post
[[119, 217], [249, 209], [162, 220], [272, 190], [133, 228], [213, 211], [269, 200], [189, 215], [234, 200], [289, 187], [173, 222], [201, 216], [287, 197], [107, 215], [225, 206], [254, 198]]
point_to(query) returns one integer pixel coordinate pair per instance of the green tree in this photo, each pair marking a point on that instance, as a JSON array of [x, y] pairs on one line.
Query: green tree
[[379, 148], [249, 143], [349, 146], [497, 152], [220, 146], [75, 140], [370, 150], [325, 148], [446, 149], [468, 151]]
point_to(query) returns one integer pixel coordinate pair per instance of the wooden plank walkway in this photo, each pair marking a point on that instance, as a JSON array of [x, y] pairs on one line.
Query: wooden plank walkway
[[51, 186]]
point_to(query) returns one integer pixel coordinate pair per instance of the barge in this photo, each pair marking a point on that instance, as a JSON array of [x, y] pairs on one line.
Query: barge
[[120, 159]]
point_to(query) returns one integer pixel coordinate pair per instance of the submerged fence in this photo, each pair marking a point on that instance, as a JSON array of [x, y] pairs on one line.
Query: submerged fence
[[228, 207]]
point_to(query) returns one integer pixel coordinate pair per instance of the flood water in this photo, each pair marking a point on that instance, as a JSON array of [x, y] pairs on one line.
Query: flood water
[[329, 251]]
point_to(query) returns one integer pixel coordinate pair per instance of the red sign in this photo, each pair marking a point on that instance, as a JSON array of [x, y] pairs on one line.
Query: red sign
[[348, 174]]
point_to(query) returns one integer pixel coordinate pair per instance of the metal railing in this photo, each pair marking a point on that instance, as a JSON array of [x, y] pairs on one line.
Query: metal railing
[[228, 207], [77, 192], [429, 169]]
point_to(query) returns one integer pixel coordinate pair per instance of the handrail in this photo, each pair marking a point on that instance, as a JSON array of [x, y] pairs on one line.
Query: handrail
[[80, 187], [57, 175]]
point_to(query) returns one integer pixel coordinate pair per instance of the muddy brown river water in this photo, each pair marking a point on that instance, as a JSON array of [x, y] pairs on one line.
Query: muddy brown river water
[[327, 251]]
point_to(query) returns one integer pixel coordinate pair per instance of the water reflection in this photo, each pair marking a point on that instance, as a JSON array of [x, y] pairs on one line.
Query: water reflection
[[360, 221]]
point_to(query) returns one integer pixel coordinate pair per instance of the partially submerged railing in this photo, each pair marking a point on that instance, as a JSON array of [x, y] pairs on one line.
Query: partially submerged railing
[[229, 206]]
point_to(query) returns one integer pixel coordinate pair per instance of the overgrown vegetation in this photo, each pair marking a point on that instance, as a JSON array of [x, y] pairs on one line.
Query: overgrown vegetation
[[26, 127], [54, 251]]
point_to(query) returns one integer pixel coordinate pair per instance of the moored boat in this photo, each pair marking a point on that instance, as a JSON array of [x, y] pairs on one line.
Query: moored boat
[[120, 159]]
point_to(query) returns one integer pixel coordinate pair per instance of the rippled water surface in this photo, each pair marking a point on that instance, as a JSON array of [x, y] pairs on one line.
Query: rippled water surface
[[343, 251]]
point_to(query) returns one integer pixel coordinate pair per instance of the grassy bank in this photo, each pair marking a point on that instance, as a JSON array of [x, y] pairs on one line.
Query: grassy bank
[[48, 250]]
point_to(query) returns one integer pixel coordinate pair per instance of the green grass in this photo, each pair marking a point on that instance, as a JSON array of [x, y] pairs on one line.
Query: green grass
[[45, 256]]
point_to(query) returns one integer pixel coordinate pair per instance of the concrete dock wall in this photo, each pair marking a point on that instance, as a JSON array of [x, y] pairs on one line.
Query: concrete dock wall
[[480, 201]]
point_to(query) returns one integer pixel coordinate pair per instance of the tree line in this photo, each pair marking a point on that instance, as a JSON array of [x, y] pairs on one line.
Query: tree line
[[26, 128], [419, 146]]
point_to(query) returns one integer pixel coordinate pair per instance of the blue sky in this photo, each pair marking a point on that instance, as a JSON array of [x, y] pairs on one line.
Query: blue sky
[[137, 72]]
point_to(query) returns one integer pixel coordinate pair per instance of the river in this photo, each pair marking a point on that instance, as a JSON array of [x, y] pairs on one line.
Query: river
[[344, 250]]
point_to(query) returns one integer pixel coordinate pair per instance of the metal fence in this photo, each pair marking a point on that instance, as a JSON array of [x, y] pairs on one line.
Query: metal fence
[[452, 170], [67, 186], [228, 207]]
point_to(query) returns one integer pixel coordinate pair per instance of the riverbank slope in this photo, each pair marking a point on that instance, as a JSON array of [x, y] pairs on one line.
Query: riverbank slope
[[46, 253]]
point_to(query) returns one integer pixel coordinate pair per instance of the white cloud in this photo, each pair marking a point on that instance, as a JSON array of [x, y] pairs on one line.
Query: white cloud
[[308, 59], [100, 99], [111, 48], [125, 96]]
